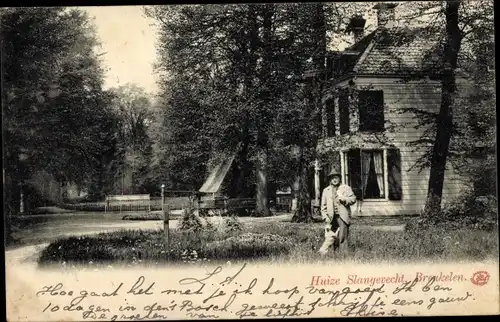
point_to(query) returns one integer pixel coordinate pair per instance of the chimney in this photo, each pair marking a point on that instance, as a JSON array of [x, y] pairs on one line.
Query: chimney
[[385, 13], [357, 27]]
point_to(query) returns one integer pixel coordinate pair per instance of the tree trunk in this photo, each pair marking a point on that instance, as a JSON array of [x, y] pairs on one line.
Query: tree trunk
[[246, 72], [265, 104], [262, 204], [295, 192], [243, 171], [444, 120], [314, 92], [303, 211]]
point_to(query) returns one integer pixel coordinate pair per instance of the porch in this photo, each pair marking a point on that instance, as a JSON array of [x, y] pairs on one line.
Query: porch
[[372, 169]]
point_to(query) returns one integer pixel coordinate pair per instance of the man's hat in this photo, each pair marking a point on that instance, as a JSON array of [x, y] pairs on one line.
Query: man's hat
[[334, 172]]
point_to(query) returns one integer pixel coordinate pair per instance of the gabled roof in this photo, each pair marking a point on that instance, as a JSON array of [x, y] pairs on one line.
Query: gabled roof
[[400, 51], [395, 51]]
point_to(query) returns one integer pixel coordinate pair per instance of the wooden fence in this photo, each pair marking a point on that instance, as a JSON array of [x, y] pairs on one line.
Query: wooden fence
[[227, 204], [147, 203], [136, 203], [128, 203]]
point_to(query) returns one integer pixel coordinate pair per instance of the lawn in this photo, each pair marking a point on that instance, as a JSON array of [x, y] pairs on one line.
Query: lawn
[[271, 242]]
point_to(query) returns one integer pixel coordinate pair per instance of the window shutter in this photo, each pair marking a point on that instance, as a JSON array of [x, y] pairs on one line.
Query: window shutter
[[394, 174], [354, 168], [344, 112], [330, 61], [330, 117]]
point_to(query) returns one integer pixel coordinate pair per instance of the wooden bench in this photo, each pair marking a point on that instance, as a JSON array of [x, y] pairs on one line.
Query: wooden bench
[[128, 203]]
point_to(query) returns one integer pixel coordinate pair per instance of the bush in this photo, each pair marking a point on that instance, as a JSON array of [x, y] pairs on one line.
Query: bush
[[148, 216], [91, 207], [190, 221], [209, 226], [467, 211], [232, 225]]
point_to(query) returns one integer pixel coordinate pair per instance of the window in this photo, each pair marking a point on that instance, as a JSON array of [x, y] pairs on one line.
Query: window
[[344, 112], [373, 174], [371, 111], [330, 117]]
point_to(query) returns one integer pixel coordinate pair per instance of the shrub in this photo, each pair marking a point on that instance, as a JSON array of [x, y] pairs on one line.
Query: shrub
[[148, 216], [209, 226], [80, 250], [232, 225], [467, 211], [190, 221], [93, 207]]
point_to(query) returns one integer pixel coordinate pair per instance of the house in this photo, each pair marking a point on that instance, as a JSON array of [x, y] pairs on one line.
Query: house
[[365, 126]]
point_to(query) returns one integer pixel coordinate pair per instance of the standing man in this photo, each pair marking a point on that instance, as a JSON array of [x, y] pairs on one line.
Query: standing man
[[336, 204]]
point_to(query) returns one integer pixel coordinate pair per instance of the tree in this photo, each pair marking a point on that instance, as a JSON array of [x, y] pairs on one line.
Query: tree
[[240, 67], [445, 117], [473, 146], [313, 90], [458, 22], [53, 103], [183, 146], [134, 110], [220, 79], [196, 43]]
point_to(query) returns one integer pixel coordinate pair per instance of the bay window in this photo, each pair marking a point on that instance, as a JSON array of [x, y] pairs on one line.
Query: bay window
[[373, 173]]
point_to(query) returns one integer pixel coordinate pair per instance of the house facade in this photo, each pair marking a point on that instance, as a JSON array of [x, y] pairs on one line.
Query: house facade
[[368, 122]]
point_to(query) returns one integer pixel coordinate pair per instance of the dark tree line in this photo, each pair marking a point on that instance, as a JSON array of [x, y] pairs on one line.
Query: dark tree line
[[58, 119]]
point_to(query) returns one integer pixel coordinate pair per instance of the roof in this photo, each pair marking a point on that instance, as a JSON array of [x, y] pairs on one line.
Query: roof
[[400, 51], [361, 45], [395, 50], [217, 175]]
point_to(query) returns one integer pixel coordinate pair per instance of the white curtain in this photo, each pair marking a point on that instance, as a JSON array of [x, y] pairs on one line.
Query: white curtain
[[365, 168], [379, 170]]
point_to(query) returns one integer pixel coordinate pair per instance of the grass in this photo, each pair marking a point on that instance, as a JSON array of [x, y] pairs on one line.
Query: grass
[[272, 242]]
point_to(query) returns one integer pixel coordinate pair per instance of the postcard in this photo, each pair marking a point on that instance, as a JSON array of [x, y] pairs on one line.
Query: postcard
[[244, 161]]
